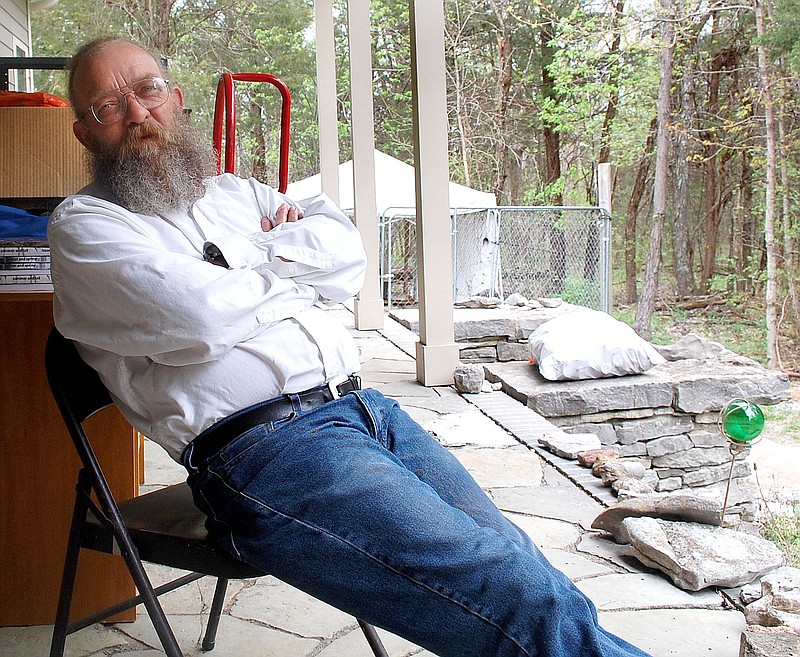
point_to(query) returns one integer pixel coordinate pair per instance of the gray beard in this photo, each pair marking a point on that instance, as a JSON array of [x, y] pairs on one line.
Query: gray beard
[[160, 175]]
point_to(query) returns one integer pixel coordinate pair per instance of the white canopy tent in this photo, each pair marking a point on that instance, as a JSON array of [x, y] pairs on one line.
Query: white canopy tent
[[474, 229], [394, 187]]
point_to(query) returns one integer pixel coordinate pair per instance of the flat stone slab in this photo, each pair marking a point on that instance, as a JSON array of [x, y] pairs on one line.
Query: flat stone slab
[[517, 418], [679, 632], [380, 365], [189, 598], [441, 402], [93, 640], [501, 468], [558, 502], [235, 637], [642, 591], [779, 602], [160, 468], [469, 428], [546, 532], [570, 398], [677, 506], [575, 566], [602, 547], [277, 604], [353, 644], [696, 556], [407, 388], [689, 386], [758, 641], [479, 323], [569, 445]]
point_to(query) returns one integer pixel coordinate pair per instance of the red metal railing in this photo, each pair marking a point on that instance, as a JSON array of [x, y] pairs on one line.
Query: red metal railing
[[225, 112]]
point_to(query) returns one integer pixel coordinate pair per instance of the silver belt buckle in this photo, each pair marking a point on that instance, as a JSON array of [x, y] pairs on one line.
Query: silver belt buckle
[[333, 385]]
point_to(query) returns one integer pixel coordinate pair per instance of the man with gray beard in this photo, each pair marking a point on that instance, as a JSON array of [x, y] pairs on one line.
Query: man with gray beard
[[197, 300], [156, 169]]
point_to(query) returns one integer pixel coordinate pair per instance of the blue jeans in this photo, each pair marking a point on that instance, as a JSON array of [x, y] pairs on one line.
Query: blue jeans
[[356, 504]]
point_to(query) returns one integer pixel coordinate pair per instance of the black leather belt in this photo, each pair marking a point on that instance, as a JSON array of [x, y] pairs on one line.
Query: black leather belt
[[217, 436]]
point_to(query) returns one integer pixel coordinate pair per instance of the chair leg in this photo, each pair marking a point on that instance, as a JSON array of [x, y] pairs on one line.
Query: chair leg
[[69, 575], [142, 582], [210, 638], [373, 639], [151, 603]]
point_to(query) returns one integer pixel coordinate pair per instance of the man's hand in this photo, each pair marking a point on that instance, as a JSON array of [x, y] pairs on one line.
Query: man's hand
[[284, 214]]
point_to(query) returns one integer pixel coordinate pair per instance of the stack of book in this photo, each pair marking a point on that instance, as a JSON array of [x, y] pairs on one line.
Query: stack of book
[[24, 254]]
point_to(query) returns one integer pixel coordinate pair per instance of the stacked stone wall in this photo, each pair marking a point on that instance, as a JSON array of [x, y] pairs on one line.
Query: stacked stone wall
[[683, 450], [666, 418], [488, 335]]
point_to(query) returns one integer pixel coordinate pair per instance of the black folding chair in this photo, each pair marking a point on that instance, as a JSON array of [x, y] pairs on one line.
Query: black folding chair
[[163, 527]]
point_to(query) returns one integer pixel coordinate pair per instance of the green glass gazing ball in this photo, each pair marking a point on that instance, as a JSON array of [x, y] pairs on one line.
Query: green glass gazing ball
[[742, 421]]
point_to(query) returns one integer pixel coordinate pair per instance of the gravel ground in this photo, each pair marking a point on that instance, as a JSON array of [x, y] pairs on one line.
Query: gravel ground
[[777, 455]]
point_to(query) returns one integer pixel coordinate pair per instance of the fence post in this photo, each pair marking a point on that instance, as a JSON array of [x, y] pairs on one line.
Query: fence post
[[604, 186], [604, 201]]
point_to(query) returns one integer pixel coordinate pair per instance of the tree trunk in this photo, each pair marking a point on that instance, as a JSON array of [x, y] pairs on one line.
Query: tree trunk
[[647, 299], [748, 226], [684, 276], [711, 191], [259, 153], [769, 200], [157, 26], [460, 123], [613, 99], [635, 201], [504, 77], [715, 156], [552, 174], [789, 241]]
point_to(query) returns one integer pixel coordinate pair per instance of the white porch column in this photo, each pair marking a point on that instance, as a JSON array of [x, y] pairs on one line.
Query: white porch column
[[369, 303], [326, 99], [437, 353]]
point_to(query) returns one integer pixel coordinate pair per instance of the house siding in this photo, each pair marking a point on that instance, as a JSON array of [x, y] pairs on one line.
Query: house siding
[[14, 27], [15, 39]]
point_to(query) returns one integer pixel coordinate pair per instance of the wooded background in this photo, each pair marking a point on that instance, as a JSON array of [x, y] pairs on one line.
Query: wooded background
[[694, 104]]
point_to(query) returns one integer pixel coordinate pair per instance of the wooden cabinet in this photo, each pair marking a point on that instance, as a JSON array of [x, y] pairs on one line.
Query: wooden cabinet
[[38, 469]]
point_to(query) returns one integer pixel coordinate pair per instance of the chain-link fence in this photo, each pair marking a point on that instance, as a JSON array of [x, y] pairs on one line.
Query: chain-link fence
[[534, 251]]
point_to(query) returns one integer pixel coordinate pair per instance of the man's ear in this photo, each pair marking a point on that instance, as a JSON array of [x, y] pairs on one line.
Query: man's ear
[[179, 95], [82, 134]]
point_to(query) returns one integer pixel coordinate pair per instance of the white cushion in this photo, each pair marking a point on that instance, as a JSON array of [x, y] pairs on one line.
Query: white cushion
[[588, 344]]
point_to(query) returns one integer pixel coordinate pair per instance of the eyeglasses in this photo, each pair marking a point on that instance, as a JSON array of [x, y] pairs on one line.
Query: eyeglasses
[[111, 106]]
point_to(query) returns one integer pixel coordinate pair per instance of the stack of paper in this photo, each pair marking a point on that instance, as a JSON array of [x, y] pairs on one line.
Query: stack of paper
[[25, 266]]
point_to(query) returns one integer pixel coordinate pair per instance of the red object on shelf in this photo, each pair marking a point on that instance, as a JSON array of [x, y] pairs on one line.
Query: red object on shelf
[[32, 99]]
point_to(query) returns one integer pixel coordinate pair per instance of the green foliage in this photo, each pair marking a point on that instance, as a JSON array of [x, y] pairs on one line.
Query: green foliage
[[59, 30], [785, 416], [783, 38], [201, 39], [543, 194], [783, 529], [581, 292], [660, 326]]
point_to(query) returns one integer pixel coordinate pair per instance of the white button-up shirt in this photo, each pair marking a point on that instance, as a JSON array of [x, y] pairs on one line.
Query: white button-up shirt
[[181, 343]]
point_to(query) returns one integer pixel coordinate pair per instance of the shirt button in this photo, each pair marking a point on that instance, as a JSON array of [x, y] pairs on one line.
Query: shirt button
[[291, 271]]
